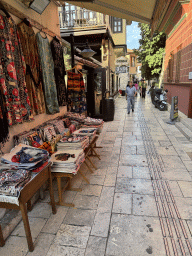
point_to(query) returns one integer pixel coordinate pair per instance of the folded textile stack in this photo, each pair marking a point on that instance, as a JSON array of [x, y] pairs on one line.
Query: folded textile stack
[[93, 121], [73, 142], [68, 161], [11, 182], [25, 157], [90, 132], [75, 116]]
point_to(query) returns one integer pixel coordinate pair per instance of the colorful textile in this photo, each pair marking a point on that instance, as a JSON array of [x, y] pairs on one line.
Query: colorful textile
[[47, 146], [75, 82], [34, 72], [77, 101], [59, 71], [11, 182], [47, 65], [49, 132], [12, 73], [3, 121], [28, 157], [76, 93], [59, 126], [70, 165]]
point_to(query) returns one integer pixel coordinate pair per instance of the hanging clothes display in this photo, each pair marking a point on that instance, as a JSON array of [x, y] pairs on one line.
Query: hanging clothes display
[[33, 69], [3, 121], [12, 73], [59, 71], [76, 93], [47, 65]]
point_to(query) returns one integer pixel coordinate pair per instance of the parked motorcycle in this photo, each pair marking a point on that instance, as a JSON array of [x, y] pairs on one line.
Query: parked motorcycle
[[160, 99]]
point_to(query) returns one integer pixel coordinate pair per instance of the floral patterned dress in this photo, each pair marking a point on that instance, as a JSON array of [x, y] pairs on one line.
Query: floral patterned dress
[[34, 72], [59, 71], [47, 65], [12, 73]]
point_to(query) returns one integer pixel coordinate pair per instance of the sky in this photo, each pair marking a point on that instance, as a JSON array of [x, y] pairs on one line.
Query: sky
[[133, 36]]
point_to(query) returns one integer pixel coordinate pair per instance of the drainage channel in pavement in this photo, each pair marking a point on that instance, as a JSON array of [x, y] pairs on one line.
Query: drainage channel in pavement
[[175, 235]]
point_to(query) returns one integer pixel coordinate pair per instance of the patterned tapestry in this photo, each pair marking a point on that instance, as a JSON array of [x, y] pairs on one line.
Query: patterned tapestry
[[76, 93], [12, 73], [34, 72], [59, 71]]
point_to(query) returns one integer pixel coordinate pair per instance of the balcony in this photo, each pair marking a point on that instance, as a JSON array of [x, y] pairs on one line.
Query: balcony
[[80, 18]]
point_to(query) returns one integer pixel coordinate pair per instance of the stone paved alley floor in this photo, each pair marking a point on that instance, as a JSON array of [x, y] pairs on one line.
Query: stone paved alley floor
[[138, 202]]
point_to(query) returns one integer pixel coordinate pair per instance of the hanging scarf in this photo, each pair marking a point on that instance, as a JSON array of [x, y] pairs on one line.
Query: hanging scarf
[[3, 121]]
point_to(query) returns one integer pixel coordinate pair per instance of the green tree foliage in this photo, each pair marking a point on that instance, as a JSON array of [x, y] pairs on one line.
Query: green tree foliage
[[150, 52]]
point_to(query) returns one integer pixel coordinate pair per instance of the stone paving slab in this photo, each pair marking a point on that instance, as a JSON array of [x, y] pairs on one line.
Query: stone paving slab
[[96, 246], [122, 203], [65, 250], [79, 217], [144, 205], [54, 222], [138, 186], [70, 235], [125, 172], [125, 230], [36, 225], [42, 245], [86, 202], [133, 160], [141, 172], [101, 224]]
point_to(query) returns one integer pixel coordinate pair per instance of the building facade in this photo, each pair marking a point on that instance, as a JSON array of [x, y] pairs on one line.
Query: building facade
[[177, 24], [107, 37], [134, 66]]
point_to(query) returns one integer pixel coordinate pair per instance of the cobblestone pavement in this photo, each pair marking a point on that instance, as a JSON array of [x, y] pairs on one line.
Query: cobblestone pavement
[[138, 201]]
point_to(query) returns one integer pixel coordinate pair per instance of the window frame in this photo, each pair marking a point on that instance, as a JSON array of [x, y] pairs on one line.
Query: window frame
[[115, 19]]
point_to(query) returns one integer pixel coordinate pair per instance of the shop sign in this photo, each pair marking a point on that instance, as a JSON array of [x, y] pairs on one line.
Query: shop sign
[[121, 69], [174, 108]]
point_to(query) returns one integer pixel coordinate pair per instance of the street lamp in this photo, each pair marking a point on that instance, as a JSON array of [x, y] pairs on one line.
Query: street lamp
[[87, 52]]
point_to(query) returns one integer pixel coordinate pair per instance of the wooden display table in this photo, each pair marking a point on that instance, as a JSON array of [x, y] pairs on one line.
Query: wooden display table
[[25, 195], [89, 151]]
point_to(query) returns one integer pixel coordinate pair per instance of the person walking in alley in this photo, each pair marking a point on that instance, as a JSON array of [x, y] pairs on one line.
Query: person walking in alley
[[143, 85], [130, 94]]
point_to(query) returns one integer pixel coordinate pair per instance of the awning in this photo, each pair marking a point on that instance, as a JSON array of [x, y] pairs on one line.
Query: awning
[[131, 10]]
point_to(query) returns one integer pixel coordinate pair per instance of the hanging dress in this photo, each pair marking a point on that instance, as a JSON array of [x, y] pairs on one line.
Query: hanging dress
[[3, 121], [59, 71], [33, 68], [47, 65], [76, 93], [12, 73]]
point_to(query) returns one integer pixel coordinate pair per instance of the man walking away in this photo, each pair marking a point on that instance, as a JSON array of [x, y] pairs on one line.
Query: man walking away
[[130, 94], [143, 84]]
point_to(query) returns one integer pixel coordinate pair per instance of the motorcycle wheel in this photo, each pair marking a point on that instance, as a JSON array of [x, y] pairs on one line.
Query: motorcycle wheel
[[162, 107]]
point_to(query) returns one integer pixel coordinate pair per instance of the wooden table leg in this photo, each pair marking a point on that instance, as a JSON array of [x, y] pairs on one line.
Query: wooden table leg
[[29, 206], [60, 191], [72, 189], [84, 177], [96, 153], [2, 241], [88, 167], [26, 226], [92, 163], [54, 211]]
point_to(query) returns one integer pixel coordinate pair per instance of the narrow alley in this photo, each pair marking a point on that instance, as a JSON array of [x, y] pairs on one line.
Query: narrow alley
[[139, 199]]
